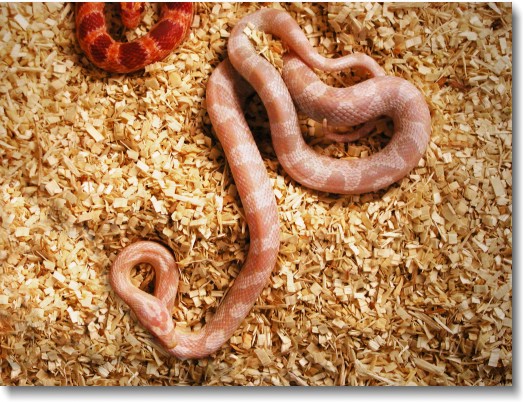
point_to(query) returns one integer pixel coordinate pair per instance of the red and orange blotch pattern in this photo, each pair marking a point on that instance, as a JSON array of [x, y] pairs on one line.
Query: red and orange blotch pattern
[[126, 57]]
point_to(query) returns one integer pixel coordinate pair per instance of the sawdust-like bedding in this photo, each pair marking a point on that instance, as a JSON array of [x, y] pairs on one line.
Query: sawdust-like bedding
[[409, 285]]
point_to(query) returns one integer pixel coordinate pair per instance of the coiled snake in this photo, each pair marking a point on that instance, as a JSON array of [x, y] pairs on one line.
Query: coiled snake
[[226, 93]]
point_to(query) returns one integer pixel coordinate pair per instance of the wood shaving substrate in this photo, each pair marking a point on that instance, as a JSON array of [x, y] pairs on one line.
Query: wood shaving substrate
[[407, 286]]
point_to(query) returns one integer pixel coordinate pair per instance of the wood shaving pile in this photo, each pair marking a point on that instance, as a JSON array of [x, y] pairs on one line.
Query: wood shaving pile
[[410, 285]]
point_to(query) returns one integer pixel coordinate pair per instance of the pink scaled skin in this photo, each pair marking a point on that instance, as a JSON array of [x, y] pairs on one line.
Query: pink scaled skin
[[226, 93]]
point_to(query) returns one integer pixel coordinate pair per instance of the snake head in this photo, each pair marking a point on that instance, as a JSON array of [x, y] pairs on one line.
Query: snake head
[[155, 317]]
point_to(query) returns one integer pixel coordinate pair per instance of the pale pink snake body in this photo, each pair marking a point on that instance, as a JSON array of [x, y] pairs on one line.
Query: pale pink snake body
[[226, 92]]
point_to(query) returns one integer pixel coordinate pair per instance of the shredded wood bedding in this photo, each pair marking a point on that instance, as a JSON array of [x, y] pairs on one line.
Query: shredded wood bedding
[[407, 286]]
